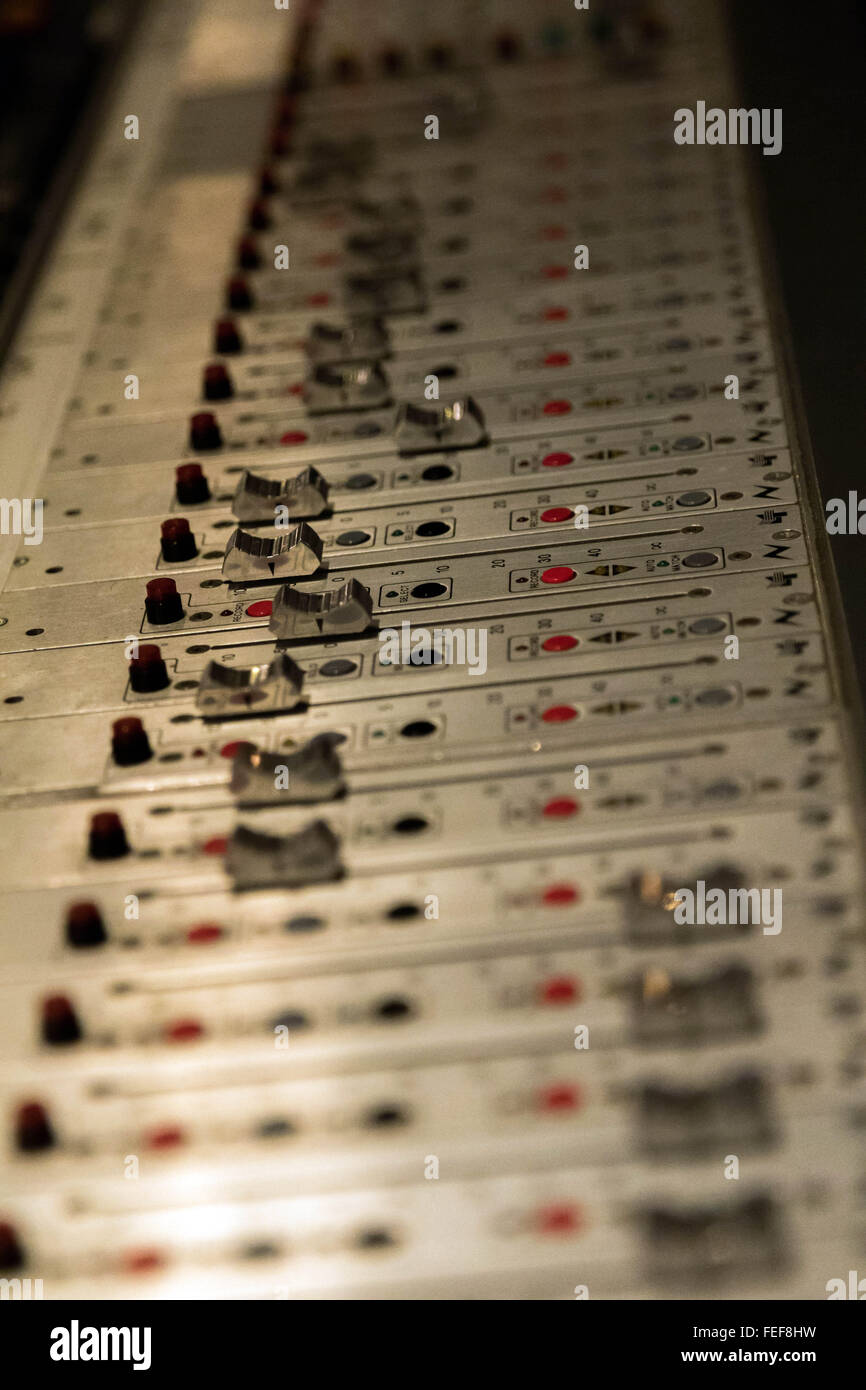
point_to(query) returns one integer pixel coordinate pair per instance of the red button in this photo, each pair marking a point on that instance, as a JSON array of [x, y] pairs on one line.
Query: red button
[[166, 1138], [555, 313], [142, 1261], [557, 514], [218, 845], [262, 609], [560, 895], [553, 194], [557, 359], [559, 1220], [559, 1097], [553, 233], [561, 807], [559, 714], [554, 272], [229, 750], [557, 408], [561, 989], [296, 390], [316, 301], [185, 1030], [562, 642], [559, 574], [557, 460], [294, 437], [207, 931], [328, 258]]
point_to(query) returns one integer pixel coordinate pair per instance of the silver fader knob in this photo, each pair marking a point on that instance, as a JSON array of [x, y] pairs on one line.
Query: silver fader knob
[[294, 554], [422, 429], [330, 614], [363, 339], [257, 498], [336, 386], [380, 246], [387, 290], [265, 689], [257, 860], [313, 773], [400, 215]]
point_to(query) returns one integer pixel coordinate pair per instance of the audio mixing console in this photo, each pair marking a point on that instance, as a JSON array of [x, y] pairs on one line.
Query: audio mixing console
[[430, 809]]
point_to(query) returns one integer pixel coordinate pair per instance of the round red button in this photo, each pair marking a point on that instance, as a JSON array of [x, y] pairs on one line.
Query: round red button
[[559, 1097], [217, 845], [561, 989], [202, 934], [561, 807], [557, 359], [553, 233], [555, 313], [562, 642], [559, 714], [316, 301], [557, 408], [555, 272], [557, 514], [294, 437], [558, 1220], [559, 574], [263, 609], [559, 895], [185, 1030], [557, 460]]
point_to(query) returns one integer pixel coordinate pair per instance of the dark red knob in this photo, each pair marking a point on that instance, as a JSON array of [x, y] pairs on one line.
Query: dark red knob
[[84, 926], [11, 1253], [217, 384], [163, 602], [60, 1024], [258, 216], [239, 295], [107, 838], [32, 1128], [204, 431], [267, 183], [177, 541], [248, 254], [191, 485], [129, 742], [226, 338], [148, 671]]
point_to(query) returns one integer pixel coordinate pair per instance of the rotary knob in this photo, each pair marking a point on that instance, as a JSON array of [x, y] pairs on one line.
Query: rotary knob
[[148, 671], [84, 926], [191, 486], [204, 432], [107, 837], [177, 542]]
